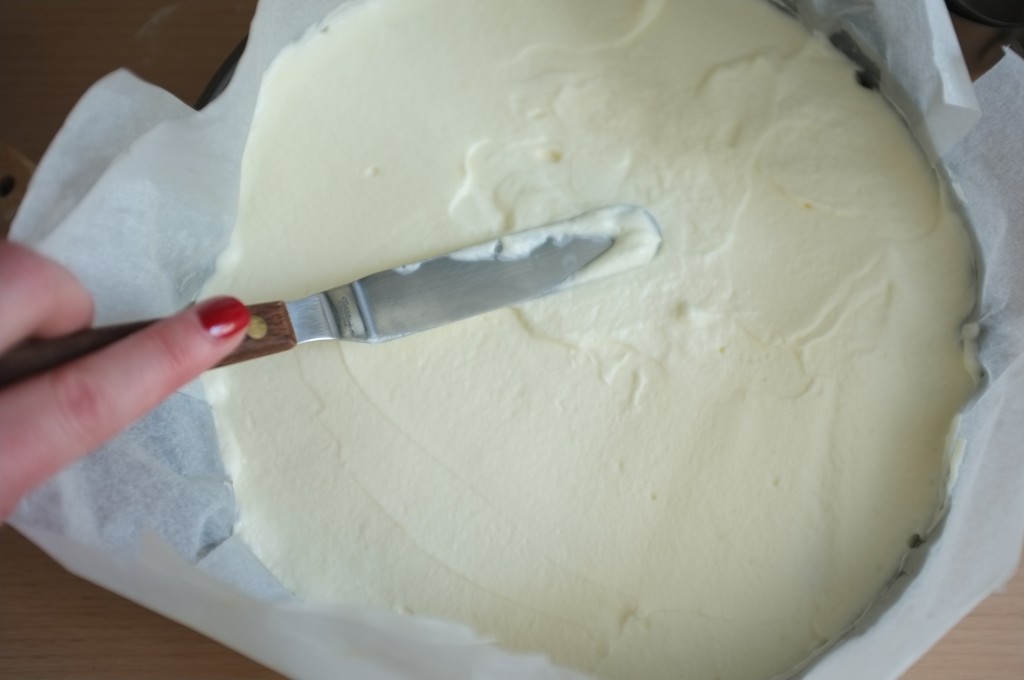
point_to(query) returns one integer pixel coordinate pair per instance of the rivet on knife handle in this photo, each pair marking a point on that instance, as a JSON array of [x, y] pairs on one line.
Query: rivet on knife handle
[[270, 331]]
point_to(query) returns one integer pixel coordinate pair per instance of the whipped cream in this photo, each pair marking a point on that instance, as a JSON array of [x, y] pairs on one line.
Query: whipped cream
[[704, 467]]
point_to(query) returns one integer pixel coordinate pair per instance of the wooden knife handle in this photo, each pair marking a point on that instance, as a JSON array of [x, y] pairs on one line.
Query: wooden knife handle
[[270, 331], [37, 356]]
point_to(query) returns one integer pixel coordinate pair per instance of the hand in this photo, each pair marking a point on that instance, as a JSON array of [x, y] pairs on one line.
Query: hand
[[52, 419]]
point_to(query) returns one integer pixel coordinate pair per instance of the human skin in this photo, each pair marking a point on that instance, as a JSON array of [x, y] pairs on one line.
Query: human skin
[[51, 420]]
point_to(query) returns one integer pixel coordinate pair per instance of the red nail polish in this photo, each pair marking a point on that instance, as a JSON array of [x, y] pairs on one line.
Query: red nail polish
[[223, 316]]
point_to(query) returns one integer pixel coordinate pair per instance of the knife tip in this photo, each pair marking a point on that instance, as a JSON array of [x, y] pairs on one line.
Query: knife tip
[[636, 238]]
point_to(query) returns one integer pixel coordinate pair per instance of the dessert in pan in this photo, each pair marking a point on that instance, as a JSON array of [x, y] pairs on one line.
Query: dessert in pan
[[705, 467]]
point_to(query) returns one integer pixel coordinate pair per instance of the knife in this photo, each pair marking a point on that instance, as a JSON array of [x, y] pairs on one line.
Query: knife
[[415, 297]]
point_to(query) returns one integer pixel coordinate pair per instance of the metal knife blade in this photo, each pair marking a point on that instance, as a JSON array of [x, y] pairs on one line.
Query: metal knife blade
[[488, 276]]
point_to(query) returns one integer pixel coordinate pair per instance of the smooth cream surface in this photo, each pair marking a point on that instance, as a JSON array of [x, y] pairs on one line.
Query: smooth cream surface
[[701, 468]]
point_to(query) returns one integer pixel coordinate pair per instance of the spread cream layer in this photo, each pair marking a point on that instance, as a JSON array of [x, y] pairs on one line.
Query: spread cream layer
[[701, 468]]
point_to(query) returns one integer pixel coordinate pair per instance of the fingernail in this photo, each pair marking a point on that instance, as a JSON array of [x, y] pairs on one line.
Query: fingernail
[[223, 316]]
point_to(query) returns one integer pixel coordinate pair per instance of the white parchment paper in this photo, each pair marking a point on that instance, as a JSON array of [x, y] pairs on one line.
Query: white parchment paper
[[137, 195]]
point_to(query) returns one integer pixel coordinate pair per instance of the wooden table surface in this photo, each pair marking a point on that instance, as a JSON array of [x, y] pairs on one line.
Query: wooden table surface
[[55, 626]]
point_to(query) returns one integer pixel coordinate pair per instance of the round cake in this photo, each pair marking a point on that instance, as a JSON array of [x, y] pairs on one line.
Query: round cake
[[702, 468]]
